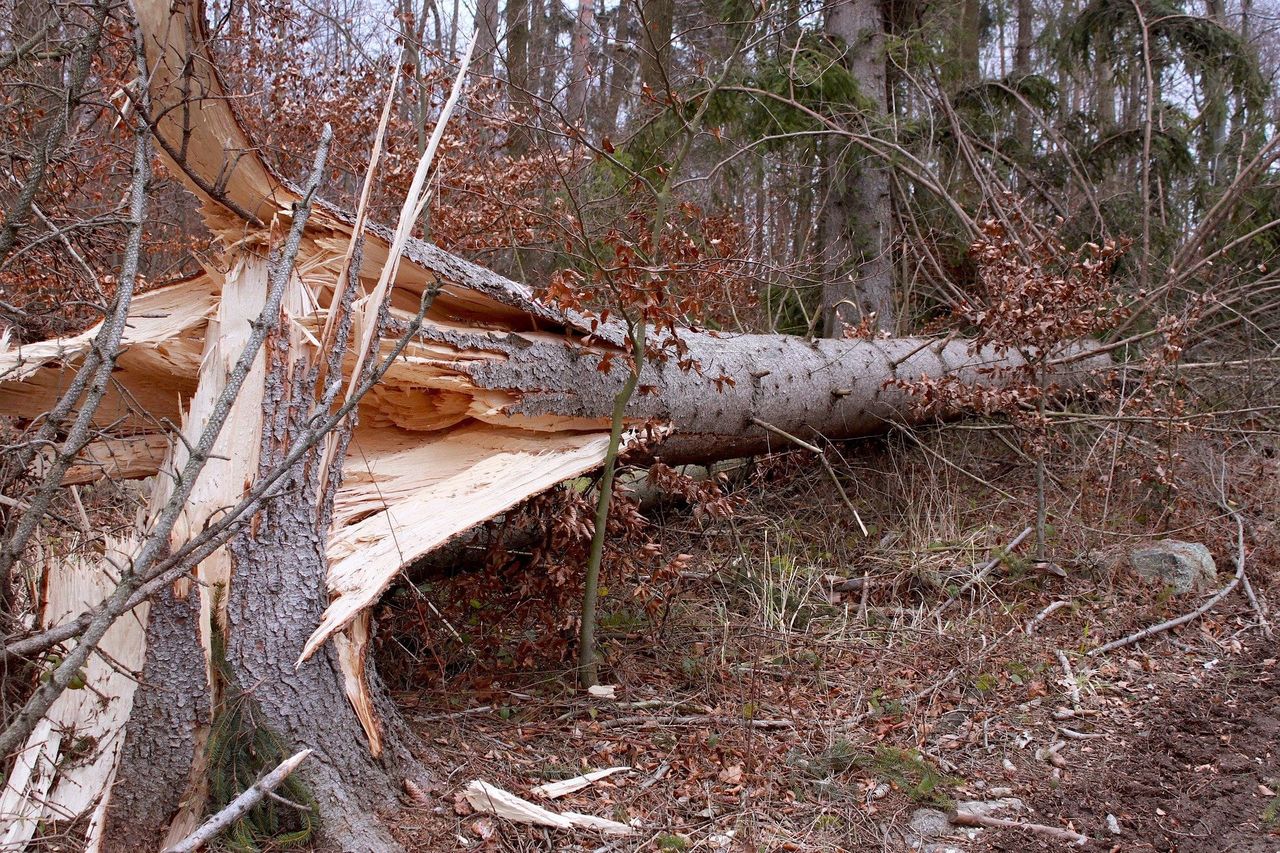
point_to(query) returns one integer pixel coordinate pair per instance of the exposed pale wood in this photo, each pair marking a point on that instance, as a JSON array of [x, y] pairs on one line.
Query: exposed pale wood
[[491, 799], [123, 458], [353, 649], [22, 803], [553, 790], [89, 719], [196, 117], [419, 493], [162, 346], [232, 466], [156, 319]]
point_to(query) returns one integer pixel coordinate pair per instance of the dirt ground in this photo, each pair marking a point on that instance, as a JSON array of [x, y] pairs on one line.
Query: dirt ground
[[1192, 775], [762, 709]]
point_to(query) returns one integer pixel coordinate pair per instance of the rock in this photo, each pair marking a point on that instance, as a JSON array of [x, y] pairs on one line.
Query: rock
[[929, 823], [1182, 566], [990, 808]]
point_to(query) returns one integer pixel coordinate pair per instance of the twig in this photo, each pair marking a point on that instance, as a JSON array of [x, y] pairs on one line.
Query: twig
[[987, 569], [1076, 735], [692, 720], [862, 603], [966, 819], [1044, 614], [210, 829], [1073, 689], [1186, 617], [432, 718], [272, 795], [663, 769], [1258, 607], [826, 463]]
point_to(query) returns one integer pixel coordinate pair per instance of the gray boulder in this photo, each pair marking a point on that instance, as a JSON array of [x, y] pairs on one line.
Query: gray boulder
[[1182, 566]]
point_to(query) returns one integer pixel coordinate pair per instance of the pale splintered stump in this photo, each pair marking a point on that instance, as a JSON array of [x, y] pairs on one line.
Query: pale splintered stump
[[497, 398]]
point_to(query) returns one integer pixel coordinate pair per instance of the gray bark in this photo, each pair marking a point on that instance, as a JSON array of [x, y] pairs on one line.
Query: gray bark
[[167, 725], [832, 388], [277, 596], [1022, 68], [623, 67], [517, 37], [856, 217]]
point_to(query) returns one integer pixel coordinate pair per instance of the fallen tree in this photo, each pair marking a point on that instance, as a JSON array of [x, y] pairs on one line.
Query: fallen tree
[[473, 397]]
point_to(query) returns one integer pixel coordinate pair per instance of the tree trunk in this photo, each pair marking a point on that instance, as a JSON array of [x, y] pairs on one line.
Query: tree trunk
[[623, 69], [658, 21], [1215, 109], [965, 67], [856, 217], [518, 93], [486, 36], [579, 74], [1022, 69]]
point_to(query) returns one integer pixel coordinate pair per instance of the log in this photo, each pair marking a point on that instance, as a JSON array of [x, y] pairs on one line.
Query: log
[[498, 398]]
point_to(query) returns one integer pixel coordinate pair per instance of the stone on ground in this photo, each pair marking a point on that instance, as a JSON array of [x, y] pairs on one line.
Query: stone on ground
[[1182, 566]]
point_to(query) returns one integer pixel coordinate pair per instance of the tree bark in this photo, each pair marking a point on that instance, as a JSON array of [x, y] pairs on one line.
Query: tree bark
[[278, 593], [1022, 69], [965, 68], [856, 216], [579, 75], [518, 93], [623, 69], [486, 36], [658, 22]]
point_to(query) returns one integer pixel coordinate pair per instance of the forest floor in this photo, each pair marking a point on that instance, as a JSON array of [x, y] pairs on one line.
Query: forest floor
[[759, 709]]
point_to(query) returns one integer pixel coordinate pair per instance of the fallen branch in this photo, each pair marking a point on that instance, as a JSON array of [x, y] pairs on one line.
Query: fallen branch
[[554, 790], [493, 800], [1186, 617], [986, 570], [1258, 607], [1073, 689], [698, 719], [826, 463], [253, 795], [1044, 614], [966, 819]]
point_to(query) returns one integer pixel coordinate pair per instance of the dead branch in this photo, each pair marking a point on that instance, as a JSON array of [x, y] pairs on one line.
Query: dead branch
[[966, 819], [1258, 607], [1044, 614], [822, 457], [1073, 689], [211, 828], [691, 720], [986, 569]]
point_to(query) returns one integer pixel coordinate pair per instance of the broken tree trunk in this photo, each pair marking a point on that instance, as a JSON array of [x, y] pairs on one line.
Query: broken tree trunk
[[495, 398]]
